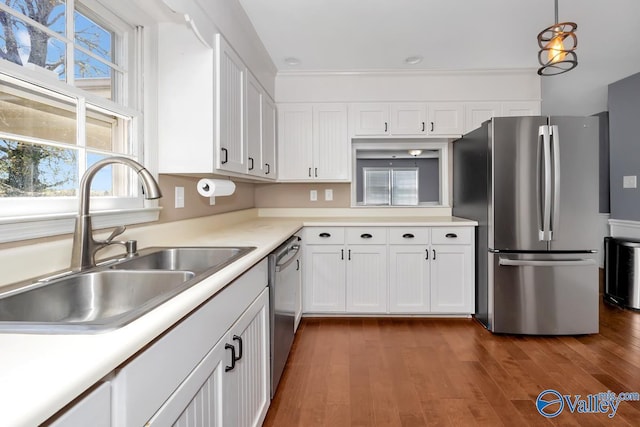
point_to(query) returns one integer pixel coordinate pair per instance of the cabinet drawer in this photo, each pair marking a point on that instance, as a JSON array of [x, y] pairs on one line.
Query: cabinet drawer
[[324, 235], [366, 235], [409, 235], [451, 235]]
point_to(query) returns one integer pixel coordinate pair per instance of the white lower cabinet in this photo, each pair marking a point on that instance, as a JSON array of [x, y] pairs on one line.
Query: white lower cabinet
[[230, 386], [396, 270], [409, 279], [211, 369], [324, 279], [452, 286]]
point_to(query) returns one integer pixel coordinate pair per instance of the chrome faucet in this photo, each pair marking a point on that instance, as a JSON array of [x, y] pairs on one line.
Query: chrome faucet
[[84, 245]]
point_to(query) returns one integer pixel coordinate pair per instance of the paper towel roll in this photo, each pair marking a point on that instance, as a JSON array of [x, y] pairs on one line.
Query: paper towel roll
[[215, 187]]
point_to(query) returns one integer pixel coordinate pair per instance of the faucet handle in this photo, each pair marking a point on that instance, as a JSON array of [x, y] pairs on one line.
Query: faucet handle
[[115, 233]]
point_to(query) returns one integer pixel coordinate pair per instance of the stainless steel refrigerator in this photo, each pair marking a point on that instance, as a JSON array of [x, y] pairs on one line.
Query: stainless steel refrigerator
[[532, 185]]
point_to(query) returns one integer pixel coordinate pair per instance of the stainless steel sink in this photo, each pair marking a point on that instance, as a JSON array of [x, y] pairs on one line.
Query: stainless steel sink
[[195, 259], [112, 295]]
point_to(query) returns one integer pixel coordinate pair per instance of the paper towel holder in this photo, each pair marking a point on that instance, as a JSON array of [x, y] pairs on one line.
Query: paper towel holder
[[211, 188]]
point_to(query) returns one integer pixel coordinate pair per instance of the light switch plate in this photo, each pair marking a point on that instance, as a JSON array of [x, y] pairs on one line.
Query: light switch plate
[[179, 197], [328, 194], [313, 195], [630, 181]]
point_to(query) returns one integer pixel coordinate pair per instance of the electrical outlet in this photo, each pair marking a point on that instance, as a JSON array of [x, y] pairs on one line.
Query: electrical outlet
[[179, 197], [313, 195], [630, 181], [328, 194]]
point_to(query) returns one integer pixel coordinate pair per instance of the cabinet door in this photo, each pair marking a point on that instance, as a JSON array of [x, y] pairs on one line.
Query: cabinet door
[[199, 399], [269, 167], [452, 284], [367, 279], [446, 118], [230, 107], [409, 277], [408, 119], [521, 108], [248, 387], [254, 127], [477, 113], [371, 119], [295, 139], [331, 144], [324, 284]]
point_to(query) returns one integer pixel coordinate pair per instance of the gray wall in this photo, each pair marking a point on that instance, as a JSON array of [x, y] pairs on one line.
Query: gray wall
[[624, 127]]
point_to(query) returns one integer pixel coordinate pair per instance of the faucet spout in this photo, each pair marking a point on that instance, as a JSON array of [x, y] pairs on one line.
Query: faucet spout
[[84, 245]]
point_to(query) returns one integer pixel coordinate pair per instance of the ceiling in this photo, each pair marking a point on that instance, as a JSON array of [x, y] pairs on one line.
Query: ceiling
[[339, 35]]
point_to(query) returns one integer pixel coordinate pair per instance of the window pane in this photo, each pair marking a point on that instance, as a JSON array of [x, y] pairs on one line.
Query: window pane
[[21, 43], [376, 187], [31, 170], [25, 112], [93, 37], [405, 187], [107, 132], [49, 13], [93, 75], [111, 180]]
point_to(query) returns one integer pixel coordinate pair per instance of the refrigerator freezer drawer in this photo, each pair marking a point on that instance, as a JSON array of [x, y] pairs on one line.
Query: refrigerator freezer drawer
[[543, 294]]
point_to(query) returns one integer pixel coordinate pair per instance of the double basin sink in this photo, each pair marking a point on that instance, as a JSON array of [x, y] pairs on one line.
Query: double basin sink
[[113, 294]]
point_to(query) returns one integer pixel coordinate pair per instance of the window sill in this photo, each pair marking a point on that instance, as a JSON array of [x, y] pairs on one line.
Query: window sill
[[13, 229]]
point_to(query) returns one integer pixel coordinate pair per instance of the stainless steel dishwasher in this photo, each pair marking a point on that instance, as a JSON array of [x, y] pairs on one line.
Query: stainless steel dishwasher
[[284, 285]]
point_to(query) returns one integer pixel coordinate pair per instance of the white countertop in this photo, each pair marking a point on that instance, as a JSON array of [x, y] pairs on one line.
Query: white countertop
[[40, 374]]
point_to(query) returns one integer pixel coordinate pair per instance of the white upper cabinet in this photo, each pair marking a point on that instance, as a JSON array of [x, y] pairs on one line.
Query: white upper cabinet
[[231, 82], [409, 119], [295, 139], [254, 127], [476, 113], [269, 167], [520, 108], [213, 114], [371, 119], [446, 118], [313, 144]]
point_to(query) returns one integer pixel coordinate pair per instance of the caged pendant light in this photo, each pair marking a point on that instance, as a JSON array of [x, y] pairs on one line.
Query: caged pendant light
[[557, 47]]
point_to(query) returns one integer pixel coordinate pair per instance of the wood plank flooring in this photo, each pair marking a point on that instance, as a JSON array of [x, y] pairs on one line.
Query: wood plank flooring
[[451, 372]]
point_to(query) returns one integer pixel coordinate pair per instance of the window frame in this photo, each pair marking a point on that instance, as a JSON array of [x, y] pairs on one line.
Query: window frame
[[39, 221]]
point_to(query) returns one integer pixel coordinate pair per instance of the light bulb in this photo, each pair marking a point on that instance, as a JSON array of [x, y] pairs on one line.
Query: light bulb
[[556, 52]]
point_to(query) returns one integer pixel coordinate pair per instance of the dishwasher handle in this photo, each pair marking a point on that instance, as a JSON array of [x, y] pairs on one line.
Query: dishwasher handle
[[284, 265]]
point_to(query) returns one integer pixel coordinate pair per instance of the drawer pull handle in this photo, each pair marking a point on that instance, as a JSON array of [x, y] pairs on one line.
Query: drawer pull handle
[[324, 235], [366, 236], [233, 357], [239, 339], [451, 235], [408, 236]]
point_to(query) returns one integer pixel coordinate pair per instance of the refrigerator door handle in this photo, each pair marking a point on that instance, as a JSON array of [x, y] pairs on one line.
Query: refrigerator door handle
[[555, 207], [544, 193], [545, 263]]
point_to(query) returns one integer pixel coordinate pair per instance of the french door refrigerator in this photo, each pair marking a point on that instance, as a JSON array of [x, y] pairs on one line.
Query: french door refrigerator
[[532, 185]]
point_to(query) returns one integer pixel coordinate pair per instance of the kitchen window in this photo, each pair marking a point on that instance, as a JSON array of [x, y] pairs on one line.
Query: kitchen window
[[68, 98]]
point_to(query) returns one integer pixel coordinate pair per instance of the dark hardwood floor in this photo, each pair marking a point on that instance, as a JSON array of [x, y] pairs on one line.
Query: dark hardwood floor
[[424, 372]]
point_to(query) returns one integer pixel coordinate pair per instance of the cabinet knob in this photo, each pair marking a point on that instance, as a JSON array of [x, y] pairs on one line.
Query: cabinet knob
[[451, 235], [408, 236], [366, 236], [324, 235]]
